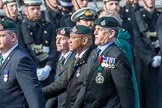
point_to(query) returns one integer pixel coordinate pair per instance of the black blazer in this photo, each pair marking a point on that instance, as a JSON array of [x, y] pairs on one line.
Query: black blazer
[[69, 80], [109, 87], [20, 87]]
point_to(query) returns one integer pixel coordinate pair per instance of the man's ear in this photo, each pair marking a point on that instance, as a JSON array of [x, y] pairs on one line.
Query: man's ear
[[14, 37], [85, 40], [112, 34]]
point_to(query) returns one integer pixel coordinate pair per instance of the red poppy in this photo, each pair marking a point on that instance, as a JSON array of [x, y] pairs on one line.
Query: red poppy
[[100, 58]]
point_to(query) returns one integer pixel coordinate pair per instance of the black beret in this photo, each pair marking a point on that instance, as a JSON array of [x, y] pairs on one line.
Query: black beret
[[107, 22]]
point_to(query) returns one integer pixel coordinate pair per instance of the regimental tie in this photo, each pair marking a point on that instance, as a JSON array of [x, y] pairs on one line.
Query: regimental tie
[[96, 54], [61, 63], [1, 59]]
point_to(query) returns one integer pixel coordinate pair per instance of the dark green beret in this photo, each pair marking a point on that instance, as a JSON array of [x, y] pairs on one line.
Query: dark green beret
[[87, 13], [7, 25], [64, 31], [107, 22], [81, 29], [8, 1]]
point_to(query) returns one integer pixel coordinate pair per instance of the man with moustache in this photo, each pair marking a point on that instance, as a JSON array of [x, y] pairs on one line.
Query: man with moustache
[[148, 58], [71, 80], [38, 38]]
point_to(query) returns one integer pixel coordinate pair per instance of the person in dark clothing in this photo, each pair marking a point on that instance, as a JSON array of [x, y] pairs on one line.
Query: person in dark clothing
[[66, 11], [38, 38], [72, 79], [20, 87], [147, 53], [52, 13], [65, 56], [108, 82], [11, 11]]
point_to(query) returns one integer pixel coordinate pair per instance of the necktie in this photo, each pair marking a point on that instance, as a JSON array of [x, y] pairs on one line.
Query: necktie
[[96, 54], [61, 62], [1, 59]]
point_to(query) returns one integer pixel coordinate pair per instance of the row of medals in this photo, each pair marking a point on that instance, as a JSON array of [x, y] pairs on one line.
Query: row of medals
[[108, 62]]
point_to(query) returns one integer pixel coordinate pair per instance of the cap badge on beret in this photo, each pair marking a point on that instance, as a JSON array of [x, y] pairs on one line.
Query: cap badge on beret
[[75, 30], [88, 13], [103, 23], [63, 32], [1, 27]]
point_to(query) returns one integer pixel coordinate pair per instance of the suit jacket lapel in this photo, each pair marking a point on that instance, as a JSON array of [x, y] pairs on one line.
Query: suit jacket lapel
[[65, 66], [7, 60]]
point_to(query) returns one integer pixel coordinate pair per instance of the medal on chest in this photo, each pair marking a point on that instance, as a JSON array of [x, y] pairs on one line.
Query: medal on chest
[[5, 75], [108, 62], [78, 72]]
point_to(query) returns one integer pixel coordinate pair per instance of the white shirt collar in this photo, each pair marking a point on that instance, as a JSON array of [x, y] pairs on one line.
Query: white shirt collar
[[5, 55], [81, 54]]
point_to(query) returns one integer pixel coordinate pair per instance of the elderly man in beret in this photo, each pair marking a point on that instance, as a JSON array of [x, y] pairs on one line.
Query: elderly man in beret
[[19, 83], [62, 38], [108, 83], [71, 80]]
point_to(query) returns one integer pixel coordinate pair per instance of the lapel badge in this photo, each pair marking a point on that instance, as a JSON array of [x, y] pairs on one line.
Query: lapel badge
[[5, 75], [99, 78], [78, 72]]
